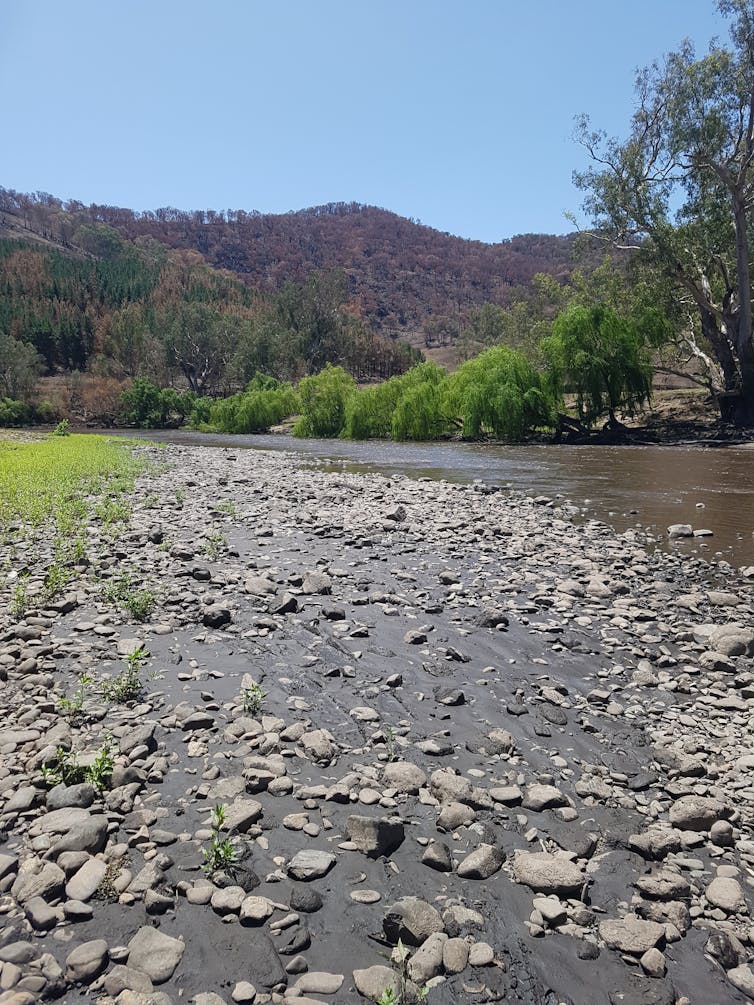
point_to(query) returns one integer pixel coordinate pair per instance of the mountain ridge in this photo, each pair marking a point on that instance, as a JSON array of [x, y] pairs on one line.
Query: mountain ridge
[[400, 272]]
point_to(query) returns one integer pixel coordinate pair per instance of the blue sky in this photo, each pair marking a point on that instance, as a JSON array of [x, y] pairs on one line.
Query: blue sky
[[459, 114]]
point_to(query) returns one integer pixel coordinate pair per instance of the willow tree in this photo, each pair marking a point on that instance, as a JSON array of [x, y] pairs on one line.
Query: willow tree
[[499, 392], [691, 146], [603, 359]]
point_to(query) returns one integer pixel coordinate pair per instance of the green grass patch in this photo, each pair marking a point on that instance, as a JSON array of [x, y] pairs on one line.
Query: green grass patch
[[50, 479]]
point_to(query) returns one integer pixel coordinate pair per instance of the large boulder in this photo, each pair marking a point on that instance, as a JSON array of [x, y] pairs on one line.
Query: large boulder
[[412, 920], [375, 836], [155, 954], [547, 873]]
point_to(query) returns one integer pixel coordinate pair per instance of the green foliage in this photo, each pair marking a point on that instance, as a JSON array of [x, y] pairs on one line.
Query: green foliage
[[419, 413], [15, 413], [252, 698], [221, 852], [55, 581], [62, 429], [370, 411], [121, 592], [150, 407], [404, 992], [20, 366], [602, 358], [680, 191], [46, 479], [323, 399], [215, 545], [72, 707], [254, 410], [500, 393], [128, 685], [19, 604], [67, 770], [111, 511]]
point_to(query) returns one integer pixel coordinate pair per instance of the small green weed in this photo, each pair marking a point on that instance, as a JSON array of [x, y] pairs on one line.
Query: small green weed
[[215, 545], [407, 993], [128, 685], [253, 699], [221, 851], [112, 511], [121, 592], [227, 506], [62, 429], [66, 769], [55, 581], [140, 604], [19, 603], [73, 707]]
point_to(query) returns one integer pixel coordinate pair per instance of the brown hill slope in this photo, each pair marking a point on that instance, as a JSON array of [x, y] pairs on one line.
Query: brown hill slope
[[399, 271]]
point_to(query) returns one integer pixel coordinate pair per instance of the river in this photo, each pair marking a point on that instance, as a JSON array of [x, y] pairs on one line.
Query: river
[[647, 488]]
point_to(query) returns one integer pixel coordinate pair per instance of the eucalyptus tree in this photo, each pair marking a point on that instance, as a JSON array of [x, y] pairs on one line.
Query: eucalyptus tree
[[679, 192]]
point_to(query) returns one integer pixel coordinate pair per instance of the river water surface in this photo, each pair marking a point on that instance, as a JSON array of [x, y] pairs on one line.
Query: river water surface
[[648, 488]]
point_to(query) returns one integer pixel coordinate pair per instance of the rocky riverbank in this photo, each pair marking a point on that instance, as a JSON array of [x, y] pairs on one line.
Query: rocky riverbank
[[427, 712]]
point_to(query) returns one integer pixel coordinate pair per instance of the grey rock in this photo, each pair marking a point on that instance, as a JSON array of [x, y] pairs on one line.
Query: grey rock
[[411, 920], [448, 787], [283, 603], [241, 814], [371, 982], [316, 583], [319, 982], [631, 934], [696, 813], [62, 796], [726, 893], [455, 956], [426, 962], [155, 954], [122, 978], [304, 898], [78, 830], [262, 961], [310, 864], [543, 797], [742, 978], [216, 616], [482, 863], [36, 880], [375, 837], [41, 916], [85, 881], [437, 856], [547, 873], [403, 776], [87, 961]]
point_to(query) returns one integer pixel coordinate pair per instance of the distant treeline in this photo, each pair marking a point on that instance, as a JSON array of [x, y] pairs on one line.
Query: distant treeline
[[141, 310], [400, 272]]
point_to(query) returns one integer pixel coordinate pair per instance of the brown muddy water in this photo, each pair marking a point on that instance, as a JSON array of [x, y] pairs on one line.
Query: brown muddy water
[[646, 488]]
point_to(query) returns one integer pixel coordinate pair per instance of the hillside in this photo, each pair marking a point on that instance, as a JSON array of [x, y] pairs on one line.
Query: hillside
[[399, 272]]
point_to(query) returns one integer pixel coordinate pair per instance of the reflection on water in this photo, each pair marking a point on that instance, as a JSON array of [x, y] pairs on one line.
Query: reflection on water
[[644, 487]]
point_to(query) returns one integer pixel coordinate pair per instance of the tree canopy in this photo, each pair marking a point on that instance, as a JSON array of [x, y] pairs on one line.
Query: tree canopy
[[680, 189]]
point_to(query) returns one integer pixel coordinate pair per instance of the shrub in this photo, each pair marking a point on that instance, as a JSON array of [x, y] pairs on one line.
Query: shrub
[[499, 392], [145, 405], [323, 399], [253, 410], [15, 413]]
